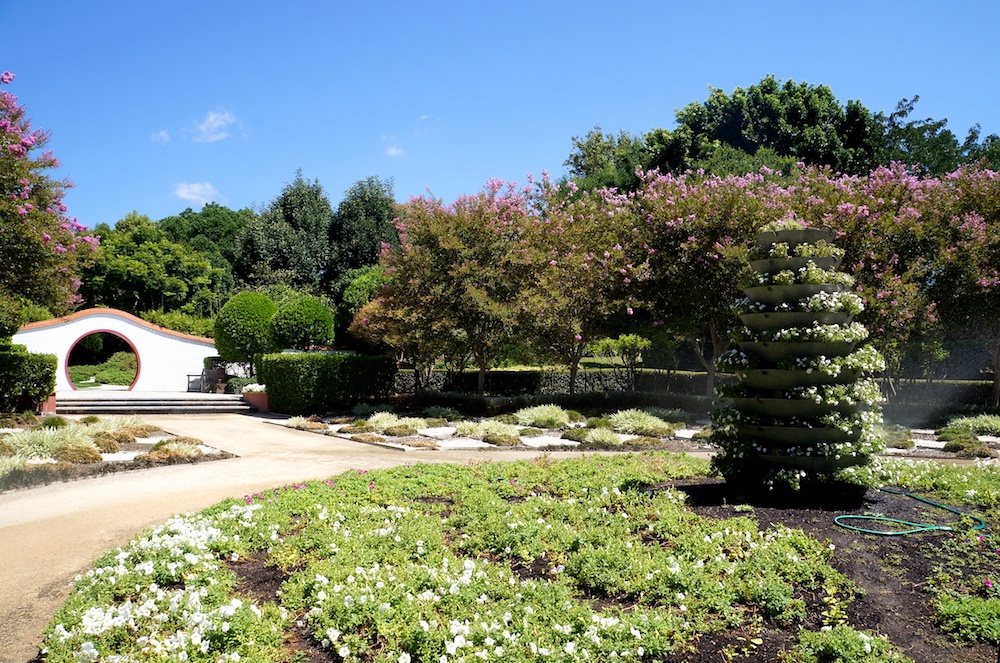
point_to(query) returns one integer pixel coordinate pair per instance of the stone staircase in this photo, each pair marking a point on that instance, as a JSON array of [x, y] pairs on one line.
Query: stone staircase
[[127, 402]]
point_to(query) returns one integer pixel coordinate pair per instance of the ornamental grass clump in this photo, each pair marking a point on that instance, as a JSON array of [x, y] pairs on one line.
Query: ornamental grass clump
[[638, 422], [543, 416], [982, 424], [41, 443], [381, 422], [480, 429]]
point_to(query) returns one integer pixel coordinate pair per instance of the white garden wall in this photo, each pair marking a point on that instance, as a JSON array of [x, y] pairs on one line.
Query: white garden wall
[[165, 357]]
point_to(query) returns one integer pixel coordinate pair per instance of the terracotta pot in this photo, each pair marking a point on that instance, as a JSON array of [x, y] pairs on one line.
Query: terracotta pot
[[773, 295], [257, 399]]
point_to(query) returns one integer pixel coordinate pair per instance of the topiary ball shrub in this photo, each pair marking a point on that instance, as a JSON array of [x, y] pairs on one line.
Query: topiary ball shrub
[[302, 323], [243, 327]]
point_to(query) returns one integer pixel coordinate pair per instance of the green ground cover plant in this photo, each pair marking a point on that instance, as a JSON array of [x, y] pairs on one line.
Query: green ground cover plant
[[593, 558]]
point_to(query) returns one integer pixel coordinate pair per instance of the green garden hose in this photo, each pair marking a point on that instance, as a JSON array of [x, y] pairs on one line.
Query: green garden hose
[[916, 527]]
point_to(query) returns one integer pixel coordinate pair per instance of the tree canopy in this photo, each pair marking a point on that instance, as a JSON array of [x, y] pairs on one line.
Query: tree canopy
[[776, 124], [42, 247]]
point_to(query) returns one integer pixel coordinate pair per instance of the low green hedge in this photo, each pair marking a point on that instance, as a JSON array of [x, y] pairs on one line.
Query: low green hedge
[[315, 382], [26, 379]]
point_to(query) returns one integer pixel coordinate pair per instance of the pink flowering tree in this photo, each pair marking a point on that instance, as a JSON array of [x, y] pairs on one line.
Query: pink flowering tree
[[692, 237], [456, 275], [965, 280], [41, 247], [580, 273]]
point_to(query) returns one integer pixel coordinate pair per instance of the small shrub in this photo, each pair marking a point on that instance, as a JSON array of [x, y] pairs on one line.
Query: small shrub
[[419, 443], [89, 420], [976, 451], [171, 450], [53, 421], [602, 438], [959, 444], [531, 432], [667, 414], [599, 422], [301, 423], [365, 410], [77, 454], [441, 412], [399, 430], [179, 440], [955, 434], [6, 448], [897, 437], [542, 416], [9, 421], [501, 440], [354, 429], [506, 419], [436, 422], [106, 443], [843, 643], [643, 442], [575, 434], [139, 430], [368, 438], [575, 417]]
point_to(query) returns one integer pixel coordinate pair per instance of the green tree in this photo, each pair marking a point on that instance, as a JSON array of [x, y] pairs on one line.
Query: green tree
[[137, 268], [458, 271], [243, 328], [290, 240], [42, 249], [605, 161], [362, 225], [213, 231], [580, 274]]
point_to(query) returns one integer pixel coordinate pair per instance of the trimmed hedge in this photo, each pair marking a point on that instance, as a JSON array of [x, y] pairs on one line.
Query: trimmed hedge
[[313, 382], [26, 379]]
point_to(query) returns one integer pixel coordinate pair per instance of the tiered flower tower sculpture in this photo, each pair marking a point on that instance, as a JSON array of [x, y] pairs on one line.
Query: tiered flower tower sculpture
[[803, 410]]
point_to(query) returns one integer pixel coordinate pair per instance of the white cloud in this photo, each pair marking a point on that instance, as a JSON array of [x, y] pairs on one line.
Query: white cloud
[[161, 137], [198, 193], [215, 127], [395, 151]]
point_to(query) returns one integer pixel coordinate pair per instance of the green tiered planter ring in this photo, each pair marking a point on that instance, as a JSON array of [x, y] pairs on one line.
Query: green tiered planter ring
[[786, 422]]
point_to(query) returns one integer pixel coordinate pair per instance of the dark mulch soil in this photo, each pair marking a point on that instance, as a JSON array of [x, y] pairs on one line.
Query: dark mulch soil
[[889, 571]]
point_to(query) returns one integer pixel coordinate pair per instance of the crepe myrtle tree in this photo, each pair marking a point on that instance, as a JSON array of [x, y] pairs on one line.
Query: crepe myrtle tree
[[41, 247], [581, 275], [692, 240], [459, 265]]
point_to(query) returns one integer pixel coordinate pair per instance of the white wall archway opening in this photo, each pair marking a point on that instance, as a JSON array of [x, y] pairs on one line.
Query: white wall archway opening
[[165, 358]]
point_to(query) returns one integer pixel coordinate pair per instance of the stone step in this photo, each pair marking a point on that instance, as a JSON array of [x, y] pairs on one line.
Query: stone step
[[153, 405]]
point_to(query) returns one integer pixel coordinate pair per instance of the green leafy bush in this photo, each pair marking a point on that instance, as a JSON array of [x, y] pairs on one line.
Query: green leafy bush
[[320, 382], [842, 644], [26, 379], [6, 448], [106, 443], [89, 419], [243, 327], [53, 421], [303, 322]]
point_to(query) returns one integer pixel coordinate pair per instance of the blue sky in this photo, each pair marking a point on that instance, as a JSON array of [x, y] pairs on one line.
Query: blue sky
[[156, 107]]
